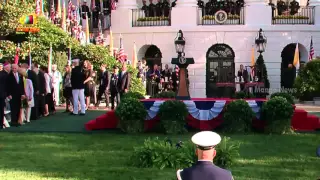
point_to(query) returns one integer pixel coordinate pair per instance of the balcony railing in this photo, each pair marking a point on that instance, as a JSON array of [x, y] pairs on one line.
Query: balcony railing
[[235, 18], [141, 18], [303, 15]]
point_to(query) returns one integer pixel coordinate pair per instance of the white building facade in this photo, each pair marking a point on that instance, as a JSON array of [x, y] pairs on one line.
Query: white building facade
[[239, 38]]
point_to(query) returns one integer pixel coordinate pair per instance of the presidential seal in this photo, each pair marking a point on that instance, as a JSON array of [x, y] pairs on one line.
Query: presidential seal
[[182, 60], [220, 16]]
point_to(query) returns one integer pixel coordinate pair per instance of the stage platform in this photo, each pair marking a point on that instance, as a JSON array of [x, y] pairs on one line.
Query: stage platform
[[205, 114]]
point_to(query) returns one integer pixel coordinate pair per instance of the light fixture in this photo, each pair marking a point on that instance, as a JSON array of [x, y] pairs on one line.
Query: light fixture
[[180, 43], [261, 41]]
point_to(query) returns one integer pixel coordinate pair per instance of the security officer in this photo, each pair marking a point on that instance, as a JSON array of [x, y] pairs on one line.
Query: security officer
[[114, 88], [204, 169]]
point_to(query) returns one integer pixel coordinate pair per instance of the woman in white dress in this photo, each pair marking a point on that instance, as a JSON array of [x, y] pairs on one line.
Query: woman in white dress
[[28, 88]]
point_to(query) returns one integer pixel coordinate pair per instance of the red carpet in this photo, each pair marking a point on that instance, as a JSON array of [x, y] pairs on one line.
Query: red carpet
[[300, 121]]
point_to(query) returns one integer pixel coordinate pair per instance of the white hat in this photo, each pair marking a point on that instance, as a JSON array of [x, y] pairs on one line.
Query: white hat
[[206, 139], [84, 1], [75, 60]]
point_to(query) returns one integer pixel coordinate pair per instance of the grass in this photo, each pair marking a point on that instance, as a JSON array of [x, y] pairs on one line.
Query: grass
[[104, 156]]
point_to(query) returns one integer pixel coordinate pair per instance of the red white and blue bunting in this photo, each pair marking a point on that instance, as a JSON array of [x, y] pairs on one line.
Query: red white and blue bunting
[[200, 110]]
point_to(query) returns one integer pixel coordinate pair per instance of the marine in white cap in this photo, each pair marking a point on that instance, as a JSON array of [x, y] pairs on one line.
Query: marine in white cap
[[204, 169]]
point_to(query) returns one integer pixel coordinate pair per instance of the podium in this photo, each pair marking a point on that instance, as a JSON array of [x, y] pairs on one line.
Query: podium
[[183, 90]]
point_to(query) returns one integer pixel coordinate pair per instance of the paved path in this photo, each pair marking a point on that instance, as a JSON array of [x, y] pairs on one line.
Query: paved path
[[309, 108]]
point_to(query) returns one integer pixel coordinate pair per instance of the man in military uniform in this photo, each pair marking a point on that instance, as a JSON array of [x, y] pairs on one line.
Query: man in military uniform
[[152, 9], [145, 8], [204, 169], [159, 8]]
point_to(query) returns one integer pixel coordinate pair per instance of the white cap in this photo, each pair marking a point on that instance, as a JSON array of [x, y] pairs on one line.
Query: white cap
[[75, 60], [84, 1], [206, 139]]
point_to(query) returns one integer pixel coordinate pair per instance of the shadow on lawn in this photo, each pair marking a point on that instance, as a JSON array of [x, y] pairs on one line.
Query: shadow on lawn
[[104, 156]]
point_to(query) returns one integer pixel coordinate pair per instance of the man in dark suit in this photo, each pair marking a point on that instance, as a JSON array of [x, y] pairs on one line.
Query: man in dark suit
[[243, 77], [104, 84], [114, 89], [15, 93], [3, 93], [40, 96], [204, 169], [33, 77], [124, 80]]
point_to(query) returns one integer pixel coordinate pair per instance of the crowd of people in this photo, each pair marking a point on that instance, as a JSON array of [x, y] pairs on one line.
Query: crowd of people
[[156, 79], [30, 93]]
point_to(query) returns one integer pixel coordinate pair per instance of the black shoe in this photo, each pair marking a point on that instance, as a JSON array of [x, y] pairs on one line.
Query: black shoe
[[82, 114], [73, 114]]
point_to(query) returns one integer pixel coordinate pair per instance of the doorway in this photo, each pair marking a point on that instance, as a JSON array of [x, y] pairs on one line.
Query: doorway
[[220, 68]]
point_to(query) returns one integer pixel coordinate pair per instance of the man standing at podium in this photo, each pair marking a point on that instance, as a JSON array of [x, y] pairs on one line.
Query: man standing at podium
[[204, 169]]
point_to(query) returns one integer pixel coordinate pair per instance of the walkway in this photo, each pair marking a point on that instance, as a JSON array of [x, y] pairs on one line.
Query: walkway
[[60, 122]]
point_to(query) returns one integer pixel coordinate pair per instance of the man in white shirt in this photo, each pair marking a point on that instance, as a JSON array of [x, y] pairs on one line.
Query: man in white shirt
[[56, 81]]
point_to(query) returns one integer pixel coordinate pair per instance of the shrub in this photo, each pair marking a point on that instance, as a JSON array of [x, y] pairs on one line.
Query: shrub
[[243, 95], [226, 153], [308, 80], [238, 117], [287, 96], [131, 114], [136, 84], [277, 113], [162, 154], [135, 95], [166, 94], [173, 116]]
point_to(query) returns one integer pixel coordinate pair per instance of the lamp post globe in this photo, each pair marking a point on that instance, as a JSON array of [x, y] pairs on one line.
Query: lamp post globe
[[261, 42], [180, 43]]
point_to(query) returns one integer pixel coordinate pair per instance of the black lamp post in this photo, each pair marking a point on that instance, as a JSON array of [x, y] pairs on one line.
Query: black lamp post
[[182, 62], [261, 42], [180, 44]]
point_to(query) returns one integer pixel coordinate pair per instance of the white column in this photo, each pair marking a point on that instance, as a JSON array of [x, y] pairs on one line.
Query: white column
[[254, 2], [184, 14], [316, 3], [121, 18], [127, 4], [257, 7], [187, 3]]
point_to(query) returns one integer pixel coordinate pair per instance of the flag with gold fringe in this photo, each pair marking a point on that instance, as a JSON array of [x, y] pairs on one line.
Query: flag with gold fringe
[[252, 56], [111, 43], [134, 56], [50, 59], [63, 16], [58, 14], [87, 30], [296, 59]]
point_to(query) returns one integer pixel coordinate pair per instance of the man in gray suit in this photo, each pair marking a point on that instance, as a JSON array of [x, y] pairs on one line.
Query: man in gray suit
[[204, 169]]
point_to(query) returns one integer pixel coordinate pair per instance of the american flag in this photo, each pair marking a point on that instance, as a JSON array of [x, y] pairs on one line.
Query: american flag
[[52, 11], [70, 17], [121, 54], [311, 50], [38, 7], [113, 4]]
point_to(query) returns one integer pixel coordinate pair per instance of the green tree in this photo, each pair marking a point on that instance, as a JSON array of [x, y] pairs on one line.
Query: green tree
[[262, 71]]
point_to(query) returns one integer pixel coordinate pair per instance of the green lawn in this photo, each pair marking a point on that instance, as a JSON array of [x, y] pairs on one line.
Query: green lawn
[[37, 156]]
